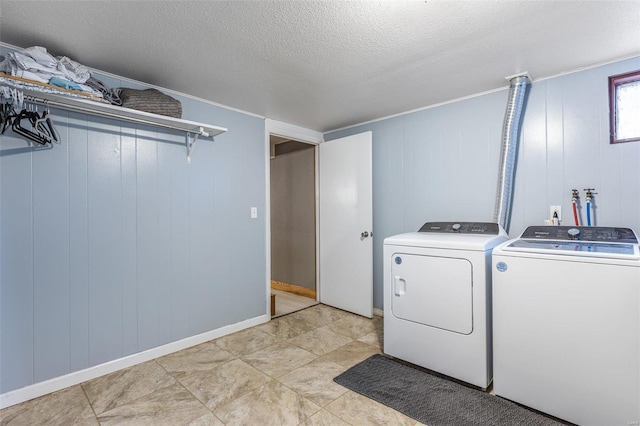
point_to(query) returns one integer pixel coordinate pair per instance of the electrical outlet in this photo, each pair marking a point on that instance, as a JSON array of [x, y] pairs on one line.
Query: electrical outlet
[[555, 210]]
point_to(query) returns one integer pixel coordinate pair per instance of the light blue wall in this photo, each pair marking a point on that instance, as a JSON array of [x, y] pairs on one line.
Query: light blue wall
[[111, 244], [442, 163]]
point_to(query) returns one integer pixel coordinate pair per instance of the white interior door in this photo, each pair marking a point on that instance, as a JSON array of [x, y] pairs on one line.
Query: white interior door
[[346, 224]]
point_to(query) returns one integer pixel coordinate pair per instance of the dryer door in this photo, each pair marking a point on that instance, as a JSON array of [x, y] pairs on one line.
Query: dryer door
[[434, 291]]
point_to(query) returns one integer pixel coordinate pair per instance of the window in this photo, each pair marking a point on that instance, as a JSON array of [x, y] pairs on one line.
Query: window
[[624, 107]]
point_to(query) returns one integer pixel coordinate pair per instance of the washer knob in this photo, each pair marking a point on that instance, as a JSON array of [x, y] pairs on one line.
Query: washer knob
[[573, 233], [455, 227]]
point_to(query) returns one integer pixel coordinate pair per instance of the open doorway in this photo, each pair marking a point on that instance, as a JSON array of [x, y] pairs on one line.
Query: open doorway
[[293, 225]]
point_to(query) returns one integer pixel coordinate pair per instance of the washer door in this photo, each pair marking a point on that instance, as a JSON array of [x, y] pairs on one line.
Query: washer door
[[434, 291]]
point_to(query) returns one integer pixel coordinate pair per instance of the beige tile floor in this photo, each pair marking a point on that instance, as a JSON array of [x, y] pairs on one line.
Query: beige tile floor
[[278, 373], [288, 302]]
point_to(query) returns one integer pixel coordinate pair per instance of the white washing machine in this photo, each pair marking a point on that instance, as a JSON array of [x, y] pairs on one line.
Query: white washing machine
[[437, 298], [566, 323]]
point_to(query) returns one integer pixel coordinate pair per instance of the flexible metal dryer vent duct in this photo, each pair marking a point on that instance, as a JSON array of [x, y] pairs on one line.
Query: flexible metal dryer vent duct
[[510, 132]]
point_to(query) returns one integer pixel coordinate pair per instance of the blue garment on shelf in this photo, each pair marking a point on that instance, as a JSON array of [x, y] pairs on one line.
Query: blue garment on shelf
[[66, 84]]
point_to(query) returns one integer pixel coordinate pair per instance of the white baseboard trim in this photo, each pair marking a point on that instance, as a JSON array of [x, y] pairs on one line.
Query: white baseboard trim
[[57, 383], [378, 312]]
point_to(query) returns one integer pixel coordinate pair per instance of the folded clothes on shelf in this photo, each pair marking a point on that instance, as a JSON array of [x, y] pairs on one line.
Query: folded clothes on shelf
[[36, 64], [109, 94], [151, 100], [36, 86], [36, 69]]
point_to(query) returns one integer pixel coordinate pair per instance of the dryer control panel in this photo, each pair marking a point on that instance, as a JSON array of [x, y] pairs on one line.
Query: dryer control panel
[[581, 233], [483, 228]]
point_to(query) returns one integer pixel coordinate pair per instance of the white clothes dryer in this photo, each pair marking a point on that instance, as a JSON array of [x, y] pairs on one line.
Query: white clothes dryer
[[566, 323], [437, 298]]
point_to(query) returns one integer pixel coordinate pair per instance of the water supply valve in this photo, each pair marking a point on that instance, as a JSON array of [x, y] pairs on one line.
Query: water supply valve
[[575, 196], [589, 193]]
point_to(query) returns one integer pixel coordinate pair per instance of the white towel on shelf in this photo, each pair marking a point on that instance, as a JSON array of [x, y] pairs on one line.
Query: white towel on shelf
[[40, 55], [37, 61], [73, 70]]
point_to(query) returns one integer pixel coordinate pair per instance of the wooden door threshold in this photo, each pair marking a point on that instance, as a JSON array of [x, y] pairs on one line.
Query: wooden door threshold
[[292, 288]]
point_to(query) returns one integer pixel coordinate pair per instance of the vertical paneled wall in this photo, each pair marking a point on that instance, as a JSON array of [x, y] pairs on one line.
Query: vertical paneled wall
[[111, 244], [442, 163]]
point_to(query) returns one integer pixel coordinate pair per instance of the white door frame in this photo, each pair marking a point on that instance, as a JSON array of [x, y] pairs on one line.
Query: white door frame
[[300, 134]]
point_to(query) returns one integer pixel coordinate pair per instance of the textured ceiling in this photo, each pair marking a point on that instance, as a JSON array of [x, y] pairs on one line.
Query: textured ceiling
[[327, 64]]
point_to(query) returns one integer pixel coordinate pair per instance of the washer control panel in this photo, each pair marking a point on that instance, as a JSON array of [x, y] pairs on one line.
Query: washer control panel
[[482, 228], [581, 233]]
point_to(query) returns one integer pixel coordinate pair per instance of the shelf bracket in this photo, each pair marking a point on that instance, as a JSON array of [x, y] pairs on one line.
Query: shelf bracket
[[191, 143]]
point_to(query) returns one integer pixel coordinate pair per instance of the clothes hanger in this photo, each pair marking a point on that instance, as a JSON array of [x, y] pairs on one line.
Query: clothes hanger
[[41, 129], [26, 132], [8, 114], [44, 125]]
